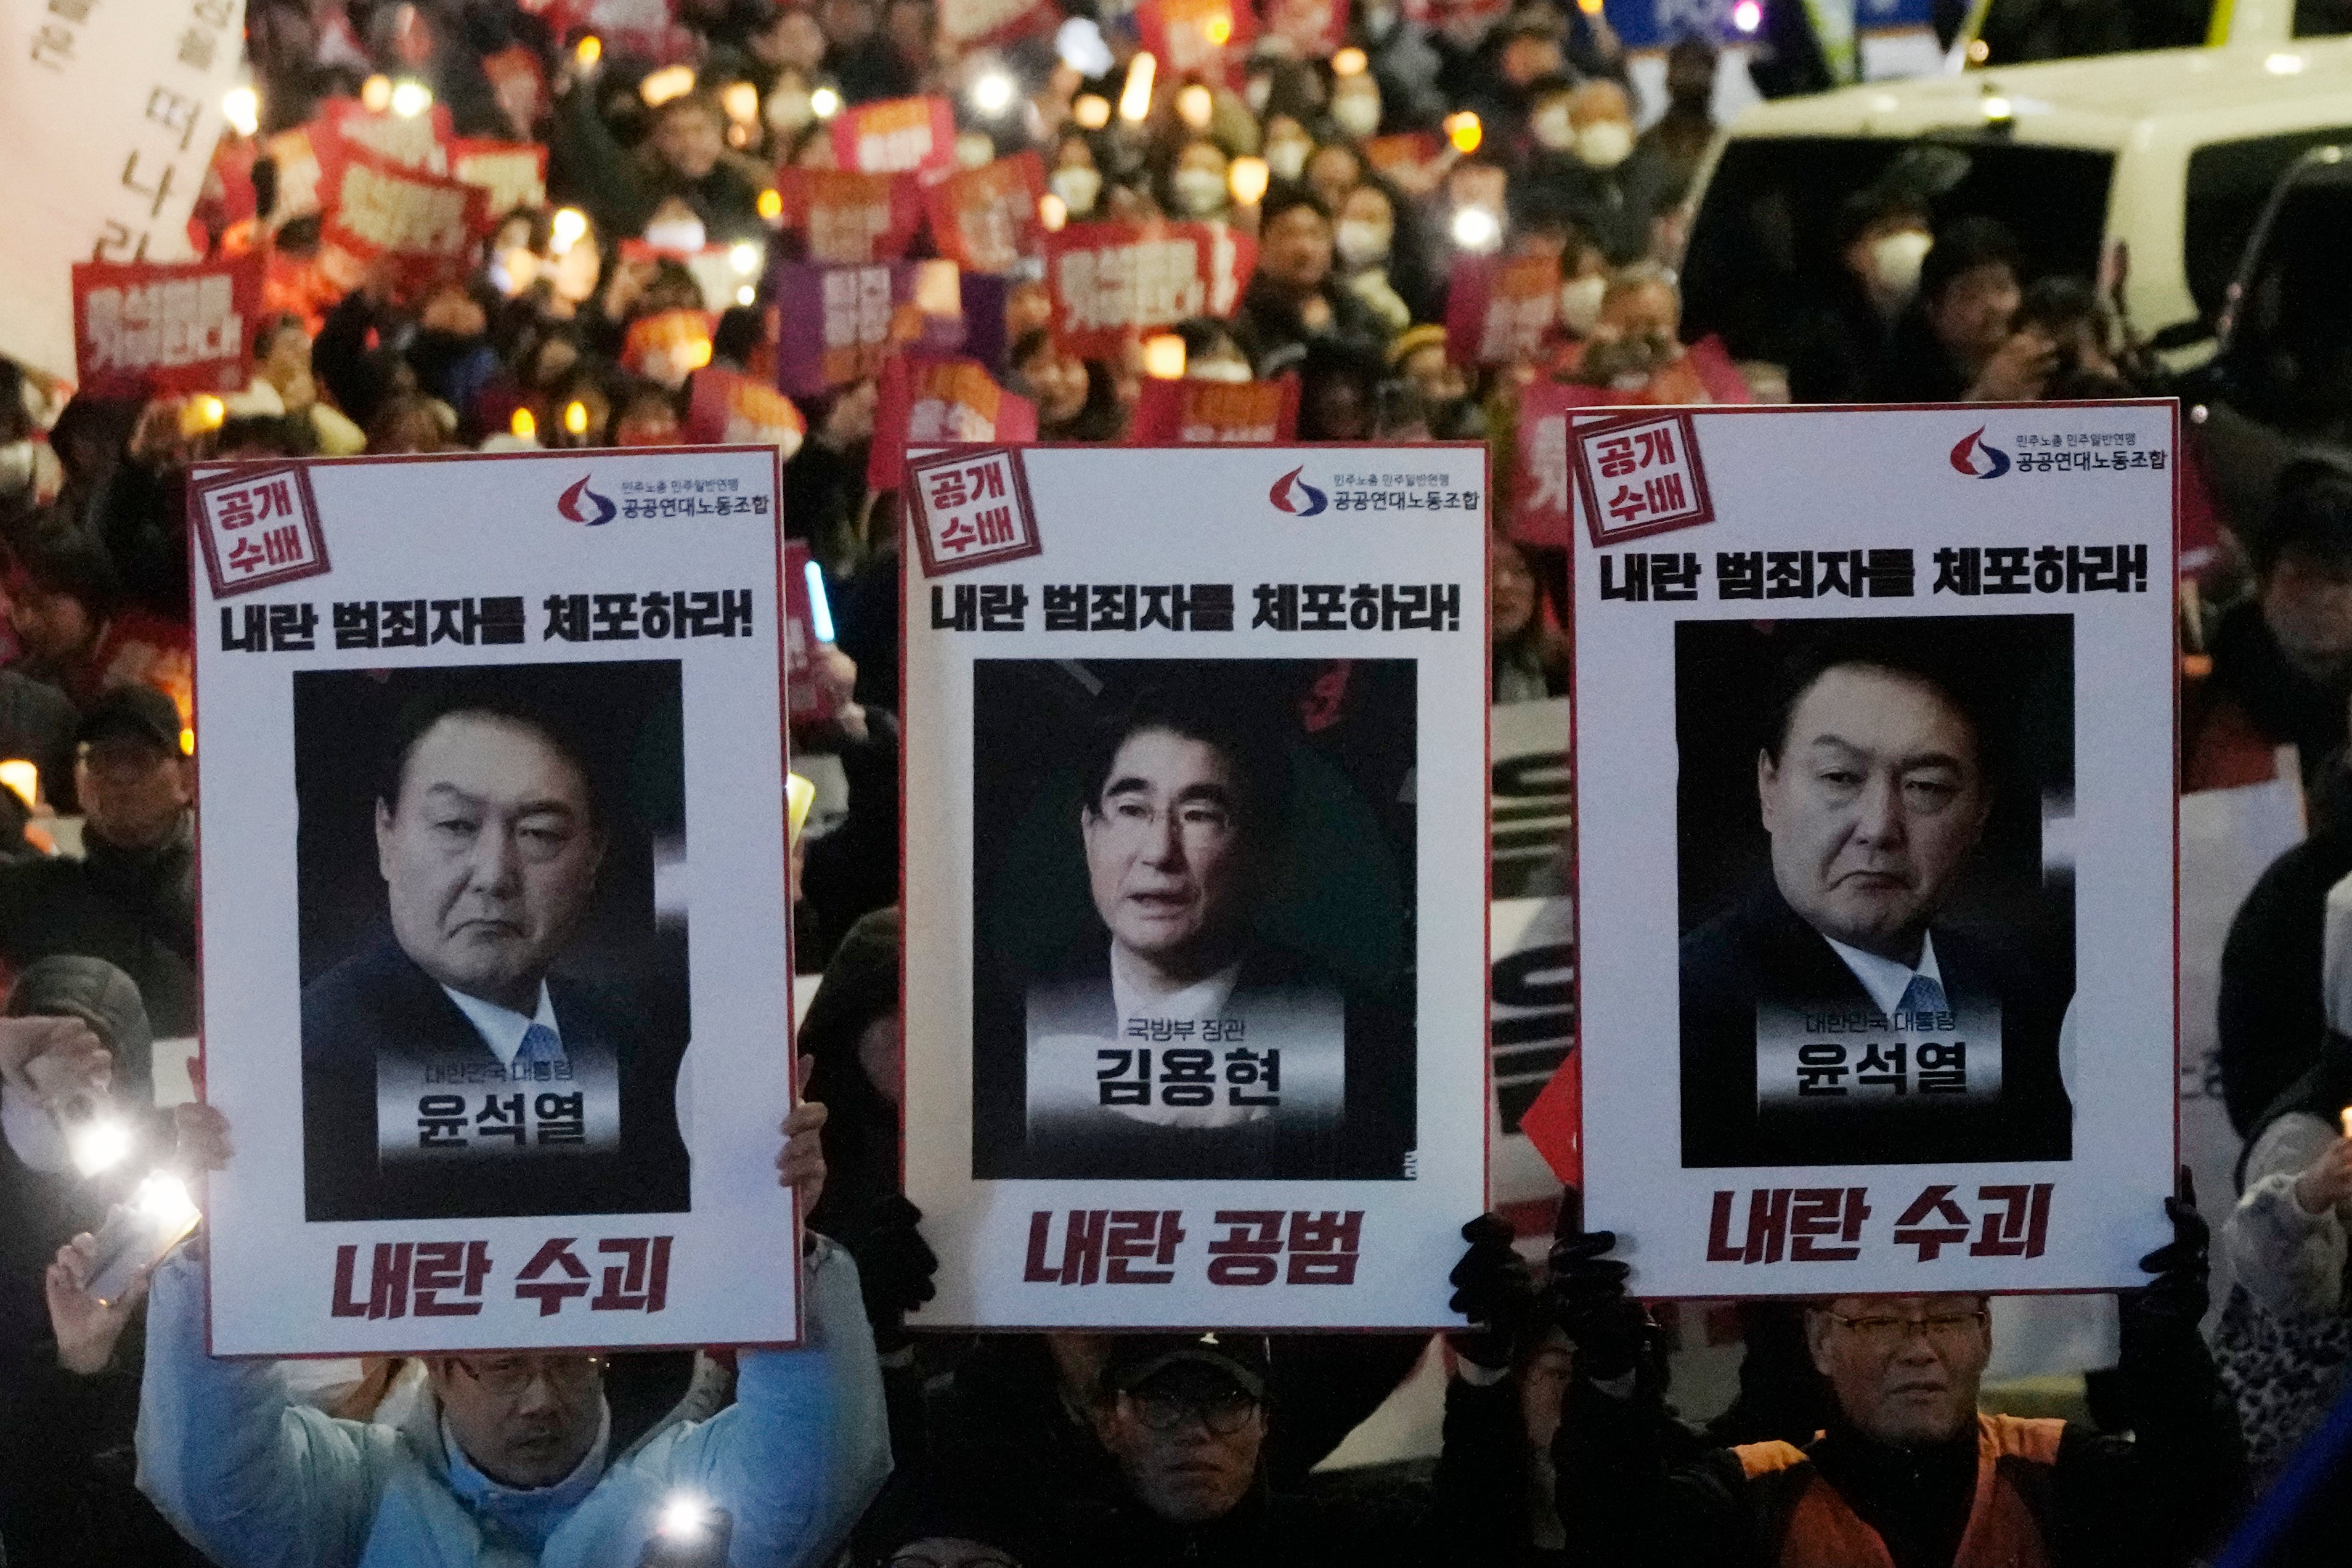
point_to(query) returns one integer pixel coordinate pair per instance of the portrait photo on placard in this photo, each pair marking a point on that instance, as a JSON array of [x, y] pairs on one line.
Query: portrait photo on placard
[[1193, 918], [1876, 889], [493, 950]]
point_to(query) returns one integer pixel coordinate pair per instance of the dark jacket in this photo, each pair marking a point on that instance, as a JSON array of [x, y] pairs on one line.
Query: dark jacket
[[2280, 700], [2271, 1017], [1270, 323], [1761, 951], [134, 908], [379, 1006], [1371, 1141]]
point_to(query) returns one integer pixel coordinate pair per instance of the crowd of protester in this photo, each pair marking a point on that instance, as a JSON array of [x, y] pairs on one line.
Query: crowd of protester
[[1857, 1438]]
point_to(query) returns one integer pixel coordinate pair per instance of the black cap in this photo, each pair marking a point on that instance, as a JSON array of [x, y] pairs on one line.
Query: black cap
[[134, 709], [101, 996], [1137, 1359]]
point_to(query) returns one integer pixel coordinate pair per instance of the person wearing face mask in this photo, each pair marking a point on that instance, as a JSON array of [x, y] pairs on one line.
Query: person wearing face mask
[[1293, 300], [1356, 105], [1195, 187], [1958, 340], [1364, 238], [1075, 178], [1842, 340], [1287, 147], [1584, 162], [1211, 354]]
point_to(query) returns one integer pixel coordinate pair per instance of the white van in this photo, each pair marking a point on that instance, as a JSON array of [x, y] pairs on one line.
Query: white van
[[2172, 153], [2015, 32]]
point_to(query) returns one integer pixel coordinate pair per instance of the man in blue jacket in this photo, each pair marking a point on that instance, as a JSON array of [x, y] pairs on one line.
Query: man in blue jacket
[[508, 1463]]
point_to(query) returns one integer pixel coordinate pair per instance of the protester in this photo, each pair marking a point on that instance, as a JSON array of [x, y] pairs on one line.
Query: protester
[[2282, 657], [1908, 1470], [1293, 298], [509, 1457], [130, 899], [1957, 342]]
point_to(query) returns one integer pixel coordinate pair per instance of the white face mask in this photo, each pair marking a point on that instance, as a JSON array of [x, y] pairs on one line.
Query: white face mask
[[1255, 91], [1552, 128], [1198, 191], [1359, 113], [15, 469], [788, 109], [679, 235], [1231, 371], [1604, 143], [1360, 242], [1287, 158], [1580, 303], [1894, 262], [1077, 187]]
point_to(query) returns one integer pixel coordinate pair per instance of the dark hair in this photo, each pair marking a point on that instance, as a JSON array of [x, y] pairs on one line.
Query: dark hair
[[475, 695], [1873, 204], [1241, 731], [1949, 660], [2060, 305], [1961, 246], [61, 557], [2311, 518], [1284, 196]]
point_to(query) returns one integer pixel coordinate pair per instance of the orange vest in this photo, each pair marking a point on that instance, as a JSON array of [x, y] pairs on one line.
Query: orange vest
[[1823, 1532]]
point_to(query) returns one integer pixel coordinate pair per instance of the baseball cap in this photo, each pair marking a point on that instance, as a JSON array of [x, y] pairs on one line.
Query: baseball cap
[[1137, 1359], [136, 710]]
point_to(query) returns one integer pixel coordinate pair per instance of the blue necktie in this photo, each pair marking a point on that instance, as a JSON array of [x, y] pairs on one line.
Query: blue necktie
[[1922, 998], [539, 1043]]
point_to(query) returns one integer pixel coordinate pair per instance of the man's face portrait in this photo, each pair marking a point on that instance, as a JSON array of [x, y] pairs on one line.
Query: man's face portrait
[[489, 856], [1905, 1369], [1187, 1442], [1876, 798], [1168, 858]]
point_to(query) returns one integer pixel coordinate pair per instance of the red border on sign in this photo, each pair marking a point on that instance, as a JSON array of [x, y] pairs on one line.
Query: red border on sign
[[300, 471], [1603, 539], [240, 472], [1487, 856], [952, 457]]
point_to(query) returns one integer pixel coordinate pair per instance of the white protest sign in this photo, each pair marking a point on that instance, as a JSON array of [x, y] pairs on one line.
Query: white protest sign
[[1891, 692], [110, 113], [495, 915], [1196, 1002]]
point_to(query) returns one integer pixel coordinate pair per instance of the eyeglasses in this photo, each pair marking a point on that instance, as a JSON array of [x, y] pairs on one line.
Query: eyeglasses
[[1886, 1333], [511, 1377], [1222, 1414]]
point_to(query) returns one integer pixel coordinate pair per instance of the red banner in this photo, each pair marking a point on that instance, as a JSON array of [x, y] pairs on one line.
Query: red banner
[[1497, 312], [1190, 413], [937, 401], [896, 136], [1111, 281], [145, 329], [376, 208], [985, 219], [729, 409], [850, 218]]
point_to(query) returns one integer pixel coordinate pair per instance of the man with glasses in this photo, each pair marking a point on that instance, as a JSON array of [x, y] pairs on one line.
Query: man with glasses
[[509, 1461], [1908, 1472]]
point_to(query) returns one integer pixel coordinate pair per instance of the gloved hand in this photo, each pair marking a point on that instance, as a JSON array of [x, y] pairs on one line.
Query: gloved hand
[[1496, 1290], [1587, 1296], [895, 1265], [2172, 1303]]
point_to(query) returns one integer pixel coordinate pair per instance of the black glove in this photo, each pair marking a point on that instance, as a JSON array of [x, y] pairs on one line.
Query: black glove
[[2174, 1302], [895, 1265], [1496, 1290], [1587, 1298]]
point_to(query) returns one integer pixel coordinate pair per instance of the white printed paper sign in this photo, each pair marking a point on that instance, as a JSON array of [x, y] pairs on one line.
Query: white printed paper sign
[[1196, 970], [1874, 779], [496, 917]]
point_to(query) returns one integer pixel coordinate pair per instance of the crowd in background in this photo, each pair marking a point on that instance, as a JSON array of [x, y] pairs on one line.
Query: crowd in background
[[1559, 1442]]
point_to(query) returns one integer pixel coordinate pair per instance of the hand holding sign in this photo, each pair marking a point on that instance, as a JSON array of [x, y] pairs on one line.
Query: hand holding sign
[[1588, 1294], [1496, 1290]]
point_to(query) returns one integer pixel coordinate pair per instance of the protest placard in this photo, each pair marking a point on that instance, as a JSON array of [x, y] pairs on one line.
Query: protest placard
[[110, 117], [511, 173], [495, 941], [986, 218], [1497, 310], [377, 210], [1185, 791], [896, 136], [925, 398], [835, 323], [850, 219], [1892, 690], [1197, 37], [1111, 280], [1543, 506], [1189, 412], [142, 329], [729, 409]]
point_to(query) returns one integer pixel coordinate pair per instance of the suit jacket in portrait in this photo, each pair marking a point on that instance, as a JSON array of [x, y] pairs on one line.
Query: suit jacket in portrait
[[1761, 951], [1370, 1139], [378, 1004]]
